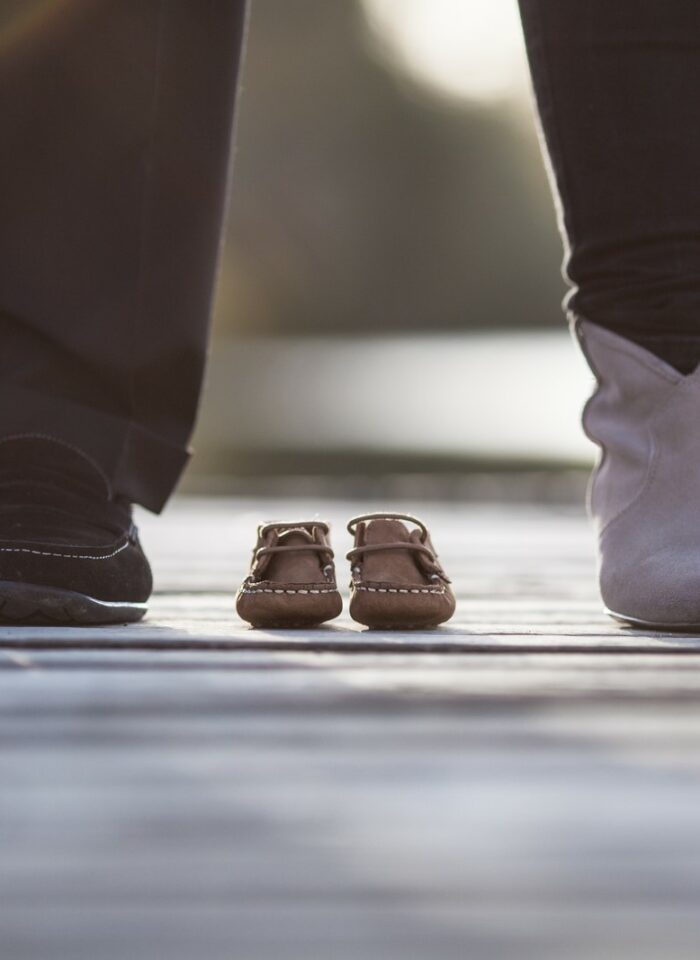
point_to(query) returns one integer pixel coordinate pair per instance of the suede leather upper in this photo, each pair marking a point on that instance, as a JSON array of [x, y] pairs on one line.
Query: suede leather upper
[[292, 577], [397, 580], [60, 526]]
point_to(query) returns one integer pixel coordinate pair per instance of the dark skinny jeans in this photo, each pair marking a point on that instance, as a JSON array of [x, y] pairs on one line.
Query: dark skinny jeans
[[618, 90]]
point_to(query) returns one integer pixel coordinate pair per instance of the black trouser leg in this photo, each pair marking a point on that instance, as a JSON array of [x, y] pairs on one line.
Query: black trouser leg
[[116, 120], [617, 85]]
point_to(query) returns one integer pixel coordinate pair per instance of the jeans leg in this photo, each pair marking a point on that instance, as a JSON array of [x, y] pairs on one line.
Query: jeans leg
[[116, 121], [616, 84]]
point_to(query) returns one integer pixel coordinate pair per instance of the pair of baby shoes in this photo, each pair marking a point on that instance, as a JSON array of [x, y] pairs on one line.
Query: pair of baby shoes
[[397, 581]]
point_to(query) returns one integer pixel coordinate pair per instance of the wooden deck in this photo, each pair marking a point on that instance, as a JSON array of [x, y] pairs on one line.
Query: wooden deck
[[522, 783]]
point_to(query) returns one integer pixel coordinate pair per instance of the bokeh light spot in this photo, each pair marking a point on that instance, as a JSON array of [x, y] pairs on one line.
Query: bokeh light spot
[[471, 49]]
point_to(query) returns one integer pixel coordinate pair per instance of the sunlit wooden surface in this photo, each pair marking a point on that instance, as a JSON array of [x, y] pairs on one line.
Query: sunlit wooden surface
[[524, 782]]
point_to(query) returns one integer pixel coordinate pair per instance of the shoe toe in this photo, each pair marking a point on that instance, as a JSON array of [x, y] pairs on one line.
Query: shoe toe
[[401, 606], [661, 590], [271, 604]]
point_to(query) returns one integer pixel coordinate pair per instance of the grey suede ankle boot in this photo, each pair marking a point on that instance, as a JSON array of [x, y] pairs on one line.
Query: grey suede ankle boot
[[645, 491]]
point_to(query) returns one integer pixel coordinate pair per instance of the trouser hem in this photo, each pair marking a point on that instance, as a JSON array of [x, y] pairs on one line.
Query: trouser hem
[[139, 465]]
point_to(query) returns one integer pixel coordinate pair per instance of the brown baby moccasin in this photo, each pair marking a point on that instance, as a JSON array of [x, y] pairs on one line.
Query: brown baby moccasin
[[397, 581], [292, 578]]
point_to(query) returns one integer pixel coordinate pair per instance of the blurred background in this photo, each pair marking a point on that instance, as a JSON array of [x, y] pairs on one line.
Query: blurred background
[[388, 313]]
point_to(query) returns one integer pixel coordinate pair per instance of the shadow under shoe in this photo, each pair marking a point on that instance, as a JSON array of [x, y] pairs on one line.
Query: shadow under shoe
[[292, 577], [397, 581], [69, 552]]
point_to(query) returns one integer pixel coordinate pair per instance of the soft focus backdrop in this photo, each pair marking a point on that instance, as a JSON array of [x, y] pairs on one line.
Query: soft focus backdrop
[[390, 294]]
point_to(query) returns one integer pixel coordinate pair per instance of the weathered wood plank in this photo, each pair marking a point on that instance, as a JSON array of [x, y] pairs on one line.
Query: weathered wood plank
[[523, 783], [506, 833]]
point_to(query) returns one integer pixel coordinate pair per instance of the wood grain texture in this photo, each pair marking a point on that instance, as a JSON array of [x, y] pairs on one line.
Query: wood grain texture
[[522, 783]]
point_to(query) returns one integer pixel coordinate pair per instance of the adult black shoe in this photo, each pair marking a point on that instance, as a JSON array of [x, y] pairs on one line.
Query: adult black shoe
[[69, 551]]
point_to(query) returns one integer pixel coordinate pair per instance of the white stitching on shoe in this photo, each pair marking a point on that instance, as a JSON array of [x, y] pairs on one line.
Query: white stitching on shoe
[[65, 556], [268, 590], [396, 590]]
